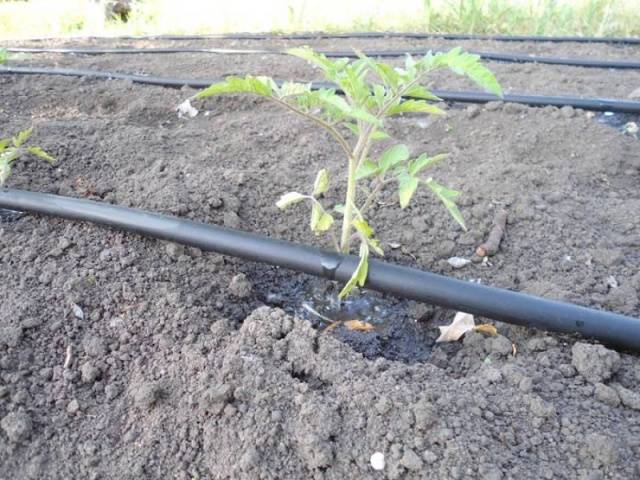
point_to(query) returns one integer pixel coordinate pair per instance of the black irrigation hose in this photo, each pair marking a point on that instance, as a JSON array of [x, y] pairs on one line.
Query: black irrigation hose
[[495, 303], [500, 57], [586, 103], [321, 35]]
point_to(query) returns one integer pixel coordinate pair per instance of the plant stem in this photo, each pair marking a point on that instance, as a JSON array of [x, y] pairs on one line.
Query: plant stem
[[345, 241]]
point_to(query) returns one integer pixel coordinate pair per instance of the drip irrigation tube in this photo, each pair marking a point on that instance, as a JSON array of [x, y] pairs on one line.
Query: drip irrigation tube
[[325, 35], [504, 305], [500, 57], [586, 103]]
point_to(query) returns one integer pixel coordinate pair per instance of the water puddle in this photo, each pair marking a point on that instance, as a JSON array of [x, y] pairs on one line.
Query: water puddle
[[386, 330]]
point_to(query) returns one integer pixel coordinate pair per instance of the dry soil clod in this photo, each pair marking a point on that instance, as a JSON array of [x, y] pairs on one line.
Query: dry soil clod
[[491, 246]]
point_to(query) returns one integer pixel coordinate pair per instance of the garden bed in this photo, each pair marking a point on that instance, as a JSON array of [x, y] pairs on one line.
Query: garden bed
[[192, 365]]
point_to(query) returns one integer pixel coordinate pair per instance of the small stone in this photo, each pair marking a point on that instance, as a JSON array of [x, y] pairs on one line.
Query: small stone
[[472, 111], [105, 255], [500, 345], [214, 399], [494, 106], [17, 426], [458, 262], [174, 250], [594, 362], [411, 461], [568, 111], [73, 407], [10, 336], [629, 398], [94, 346], [606, 395], [240, 286], [147, 395], [377, 461], [90, 373], [111, 391], [77, 312], [540, 407], [231, 220], [623, 299], [429, 457]]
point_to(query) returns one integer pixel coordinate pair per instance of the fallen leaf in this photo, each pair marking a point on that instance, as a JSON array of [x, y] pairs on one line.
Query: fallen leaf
[[462, 323], [487, 329], [358, 326]]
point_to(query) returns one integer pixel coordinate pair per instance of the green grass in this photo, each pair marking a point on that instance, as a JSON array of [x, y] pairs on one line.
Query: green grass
[[19, 19]]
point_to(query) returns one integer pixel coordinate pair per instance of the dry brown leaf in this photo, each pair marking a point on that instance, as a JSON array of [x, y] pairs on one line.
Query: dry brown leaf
[[359, 326], [487, 329], [462, 323]]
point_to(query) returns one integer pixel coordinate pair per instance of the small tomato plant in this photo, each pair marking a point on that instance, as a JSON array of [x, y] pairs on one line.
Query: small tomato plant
[[361, 111], [13, 148]]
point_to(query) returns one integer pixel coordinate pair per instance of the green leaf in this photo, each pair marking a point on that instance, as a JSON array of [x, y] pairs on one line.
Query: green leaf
[[359, 276], [415, 106], [321, 183], [366, 169], [38, 152], [4, 55], [310, 56], [379, 135], [423, 162], [407, 186], [469, 65], [8, 155], [289, 199], [4, 143], [392, 156], [22, 137], [418, 91], [339, 208], [289, 89], [341, 104], [386, 73], [321, 221], [262, 86], [363, 227], [447, 196]]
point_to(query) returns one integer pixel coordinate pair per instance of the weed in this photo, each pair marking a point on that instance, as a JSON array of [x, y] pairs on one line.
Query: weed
[[361, 113], [13, 148]]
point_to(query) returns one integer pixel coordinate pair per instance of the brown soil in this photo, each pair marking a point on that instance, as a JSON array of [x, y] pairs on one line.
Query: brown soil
[[179, 370]]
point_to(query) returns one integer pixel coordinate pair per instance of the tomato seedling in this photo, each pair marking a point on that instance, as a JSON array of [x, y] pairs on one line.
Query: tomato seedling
[[13, 148], [359, 112]]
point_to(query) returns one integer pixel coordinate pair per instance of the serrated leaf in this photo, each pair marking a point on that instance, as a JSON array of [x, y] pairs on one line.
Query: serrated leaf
[[310, 56], [418, 91], [415, 106], [363, 227], [4, 143], [469, 65], [8, 155], [359, 276], [321, 183], [386, 73], [38, 152], [407, 186], [289, 199], [288, 89], [341, 104], [262, 86], [321, 221], [423, 161], [366, 169], [393, 156], [447, 196], [22, 137]]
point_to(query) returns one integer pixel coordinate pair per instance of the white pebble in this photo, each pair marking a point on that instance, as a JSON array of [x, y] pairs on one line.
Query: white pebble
[[458, 262], [377, 461]]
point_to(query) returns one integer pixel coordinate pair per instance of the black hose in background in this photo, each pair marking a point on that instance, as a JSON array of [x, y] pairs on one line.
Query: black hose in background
[[325, 35], [495, 303], [586, 103], [495, 56]]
